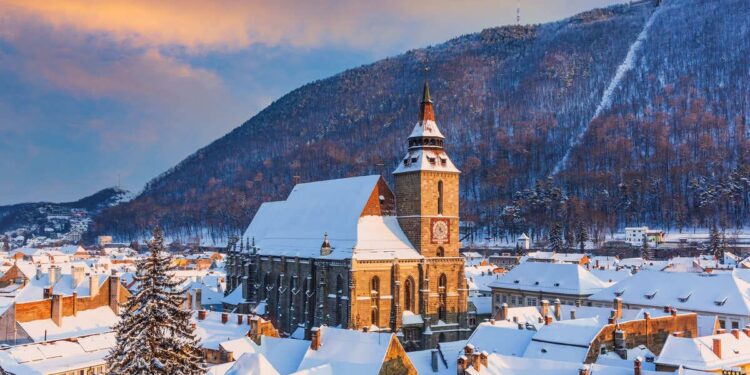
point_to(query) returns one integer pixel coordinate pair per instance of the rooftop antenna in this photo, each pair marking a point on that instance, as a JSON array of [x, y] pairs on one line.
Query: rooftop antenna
[[518, 13]]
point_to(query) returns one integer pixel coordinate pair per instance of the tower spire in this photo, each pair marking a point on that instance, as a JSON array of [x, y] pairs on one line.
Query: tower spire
[[426, 113]]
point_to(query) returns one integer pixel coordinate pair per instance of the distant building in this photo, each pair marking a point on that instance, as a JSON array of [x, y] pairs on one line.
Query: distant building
[[523, 242], [636, 235], [104, 240]]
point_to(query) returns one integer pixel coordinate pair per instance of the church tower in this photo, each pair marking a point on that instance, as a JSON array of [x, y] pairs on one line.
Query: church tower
[[427, 188]]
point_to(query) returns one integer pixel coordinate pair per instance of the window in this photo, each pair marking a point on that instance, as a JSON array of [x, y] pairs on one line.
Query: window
[[440, 251], [375, 300], [374, 317], [722, 324], [339, 291], [735, 325], [441, 313], [409, 294], [440, 197], [442, 292]]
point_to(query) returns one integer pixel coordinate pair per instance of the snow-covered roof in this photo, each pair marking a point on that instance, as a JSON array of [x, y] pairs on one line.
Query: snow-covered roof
[[697, 353], [501, 339], [426, 160], [212, 332], [567, 340], [59, 356], [723, 293], [234, 298], [348, 351], [509, 365], [285, 355], [422, 359], [561, 278], [426, 128], [85, 322], [296, 226], [252, 363]]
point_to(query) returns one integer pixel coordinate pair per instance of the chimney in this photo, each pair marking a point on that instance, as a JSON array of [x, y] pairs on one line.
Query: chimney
[[717, 347], [57, 309], [75, 303], [572, 315], [468, 350], [47, 292], [558, 309], [461, 365], [77, 274], [736, 333], [547, 320], [248, 320], [618, 308], [504, 311], [198, 295], [476, 362], [492, 321], [584, 370], [434, 359], [315, 340], [484, 358], [545, 307], [38, 272], [239, 319], [637, 365], [720, 331], [201, 314], [666, 309], [673, 311], [224, 317], [54, 274], [678, 334], [746, 330], [94, 285], [114, 294]]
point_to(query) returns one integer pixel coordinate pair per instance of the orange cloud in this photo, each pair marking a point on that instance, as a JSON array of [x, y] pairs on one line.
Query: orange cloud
[[225, 24]]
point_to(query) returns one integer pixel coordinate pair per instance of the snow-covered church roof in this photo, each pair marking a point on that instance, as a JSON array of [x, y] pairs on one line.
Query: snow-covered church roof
[[296, 227]]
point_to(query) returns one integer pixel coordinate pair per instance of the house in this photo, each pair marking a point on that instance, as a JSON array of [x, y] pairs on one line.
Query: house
[[726, 295], [523, 242], [84, 355], [531, 282], [353, 253], [714, 353], [497, 364]]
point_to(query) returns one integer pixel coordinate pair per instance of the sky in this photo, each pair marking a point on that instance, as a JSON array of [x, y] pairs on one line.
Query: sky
[[115, 93]]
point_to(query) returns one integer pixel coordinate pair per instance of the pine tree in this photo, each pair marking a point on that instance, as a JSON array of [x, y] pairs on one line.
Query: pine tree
[[714, 245], [154, 335], [570, 239], [581, 236], [555, 237], [6, 244]]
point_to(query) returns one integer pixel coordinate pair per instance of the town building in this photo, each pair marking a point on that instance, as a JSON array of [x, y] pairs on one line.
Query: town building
[[352, 253], [711, 354], [529, 283], [725, 295]]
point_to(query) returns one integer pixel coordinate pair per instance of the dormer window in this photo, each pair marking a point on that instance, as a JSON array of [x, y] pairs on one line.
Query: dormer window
[[431, 160], [651, 294], [720, 301], [685, 297], [619, 292]]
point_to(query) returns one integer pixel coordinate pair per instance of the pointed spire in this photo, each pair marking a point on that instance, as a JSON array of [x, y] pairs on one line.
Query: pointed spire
[[425, 109]]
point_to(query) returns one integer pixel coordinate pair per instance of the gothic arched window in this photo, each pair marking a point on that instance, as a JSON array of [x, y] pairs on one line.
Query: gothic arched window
[[409, 294], [440, 251]]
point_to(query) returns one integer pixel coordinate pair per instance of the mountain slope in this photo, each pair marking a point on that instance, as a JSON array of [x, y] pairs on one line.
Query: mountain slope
[[511, 102]]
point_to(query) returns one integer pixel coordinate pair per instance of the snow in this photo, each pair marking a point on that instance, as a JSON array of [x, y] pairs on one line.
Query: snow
[[426, 160], [501, 339], [296, 226], [348, 352], [58, 356], [627, 65], [563, 278], [658, 289], [212, 332], [234, 298], [422, 359], [426, 128], [86, 322], [697, 353], [285, 355], [252, 364], [409, 318], [508, 365]]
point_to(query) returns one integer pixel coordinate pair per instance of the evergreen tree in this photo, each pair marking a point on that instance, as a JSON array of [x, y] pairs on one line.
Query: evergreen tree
[[6, 244], [555, 237], [645, 249], [581, 236], [714, 244], [570, 239], [154, 335]]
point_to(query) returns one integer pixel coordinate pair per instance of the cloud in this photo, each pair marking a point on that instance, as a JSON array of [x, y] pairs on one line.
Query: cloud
[[211, 25]]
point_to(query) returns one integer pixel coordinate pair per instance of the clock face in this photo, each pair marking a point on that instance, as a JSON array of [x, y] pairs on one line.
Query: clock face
[[440, 229]]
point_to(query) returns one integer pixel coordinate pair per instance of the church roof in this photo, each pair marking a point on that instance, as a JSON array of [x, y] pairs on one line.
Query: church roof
[[426, 160], [296, 226]]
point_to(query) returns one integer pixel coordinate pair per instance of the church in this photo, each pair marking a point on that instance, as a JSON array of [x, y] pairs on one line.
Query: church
[[353, 253]]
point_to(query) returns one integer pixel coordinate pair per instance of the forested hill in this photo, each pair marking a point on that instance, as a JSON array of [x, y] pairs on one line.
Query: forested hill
[[631, 103]]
